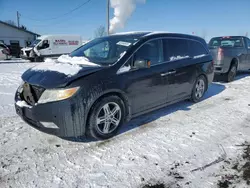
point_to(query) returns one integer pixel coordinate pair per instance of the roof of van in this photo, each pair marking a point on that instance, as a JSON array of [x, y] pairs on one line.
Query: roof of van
[[47, 36], [157, 33]]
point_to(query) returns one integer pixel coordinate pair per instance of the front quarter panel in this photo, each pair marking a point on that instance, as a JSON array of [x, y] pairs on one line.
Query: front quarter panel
[[93, 87]]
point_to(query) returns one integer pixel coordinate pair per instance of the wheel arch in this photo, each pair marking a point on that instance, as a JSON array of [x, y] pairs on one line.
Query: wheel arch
[[236, 61], [118, 93], [205, 76]]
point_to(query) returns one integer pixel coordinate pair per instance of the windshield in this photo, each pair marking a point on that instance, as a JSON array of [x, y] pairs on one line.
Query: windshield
[[34, 43], [226, 42], [106, 50]]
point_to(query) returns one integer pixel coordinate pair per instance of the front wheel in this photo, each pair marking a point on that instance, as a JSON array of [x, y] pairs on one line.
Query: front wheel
[[106, 117], [199, 89]]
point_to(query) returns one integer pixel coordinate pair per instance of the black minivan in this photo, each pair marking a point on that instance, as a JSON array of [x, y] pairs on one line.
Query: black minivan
[[109, 80]]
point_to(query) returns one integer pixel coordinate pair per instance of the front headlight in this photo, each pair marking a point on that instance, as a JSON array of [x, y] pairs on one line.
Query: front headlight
[[57, 94], [20, 87]]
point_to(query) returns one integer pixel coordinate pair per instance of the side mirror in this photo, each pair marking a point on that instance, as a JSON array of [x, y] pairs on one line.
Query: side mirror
[[142, 64]]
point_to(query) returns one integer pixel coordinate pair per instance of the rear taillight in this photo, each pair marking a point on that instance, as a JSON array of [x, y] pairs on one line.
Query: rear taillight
[[220, 54]]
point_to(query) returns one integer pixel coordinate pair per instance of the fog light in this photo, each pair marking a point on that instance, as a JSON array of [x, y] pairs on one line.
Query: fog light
[[49, 125]]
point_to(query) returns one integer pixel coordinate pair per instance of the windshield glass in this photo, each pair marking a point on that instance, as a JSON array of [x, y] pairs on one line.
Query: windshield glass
[[106, 50], [226, 42], [34, 43]]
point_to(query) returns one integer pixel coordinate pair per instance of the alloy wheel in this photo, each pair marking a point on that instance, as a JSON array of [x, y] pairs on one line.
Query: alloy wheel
[[108, 118], [199, 88]]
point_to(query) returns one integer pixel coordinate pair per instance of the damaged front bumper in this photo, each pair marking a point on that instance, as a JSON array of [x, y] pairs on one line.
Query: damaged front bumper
[[60, 118]]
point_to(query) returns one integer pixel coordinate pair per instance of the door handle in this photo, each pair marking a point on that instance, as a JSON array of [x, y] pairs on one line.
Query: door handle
[[168, 73]]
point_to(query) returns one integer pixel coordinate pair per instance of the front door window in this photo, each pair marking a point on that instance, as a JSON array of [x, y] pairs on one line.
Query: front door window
[[150, 52]]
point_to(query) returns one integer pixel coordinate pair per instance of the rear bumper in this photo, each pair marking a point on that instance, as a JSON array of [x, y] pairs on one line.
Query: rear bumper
[[218, 69], [221, 67], [58, 118], [210, 78]]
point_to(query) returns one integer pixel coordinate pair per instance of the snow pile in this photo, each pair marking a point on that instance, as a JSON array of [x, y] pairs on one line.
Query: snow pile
[[64, 68], [65, 64], [122, 11], [124, 69], [173, 58], [121, 55], [199, 56], [76, 60], [22, 104]]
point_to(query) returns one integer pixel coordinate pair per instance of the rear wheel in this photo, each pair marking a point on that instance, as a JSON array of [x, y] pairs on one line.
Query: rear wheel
[[230, 75], [199, 89], [106, 117]]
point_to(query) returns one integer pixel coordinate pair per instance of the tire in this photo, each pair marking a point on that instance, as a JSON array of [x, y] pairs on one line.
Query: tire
[[38, 59], [32, 60], [109, 123], [199, 89], [230, 75]]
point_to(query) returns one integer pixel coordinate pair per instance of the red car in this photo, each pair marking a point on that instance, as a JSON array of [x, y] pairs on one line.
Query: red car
[[5, 48]]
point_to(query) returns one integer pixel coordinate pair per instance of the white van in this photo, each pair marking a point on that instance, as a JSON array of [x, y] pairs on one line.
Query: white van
[[51, 46]]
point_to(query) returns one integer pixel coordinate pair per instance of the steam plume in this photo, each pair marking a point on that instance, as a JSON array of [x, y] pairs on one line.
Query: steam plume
[[123, 9]]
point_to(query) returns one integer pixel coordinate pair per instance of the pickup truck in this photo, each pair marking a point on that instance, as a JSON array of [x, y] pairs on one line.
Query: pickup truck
[[230, 54]]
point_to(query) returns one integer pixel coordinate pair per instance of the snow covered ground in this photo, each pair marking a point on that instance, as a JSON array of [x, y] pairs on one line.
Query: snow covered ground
[[183, 145], [10, 78]]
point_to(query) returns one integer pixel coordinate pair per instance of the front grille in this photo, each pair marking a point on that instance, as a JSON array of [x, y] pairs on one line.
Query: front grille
[[31, 93]]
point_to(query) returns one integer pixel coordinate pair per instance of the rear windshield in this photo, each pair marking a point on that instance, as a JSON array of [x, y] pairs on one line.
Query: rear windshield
[[226, 42]]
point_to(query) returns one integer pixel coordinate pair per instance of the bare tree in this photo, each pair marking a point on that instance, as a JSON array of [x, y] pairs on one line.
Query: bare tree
[[100, 31], [11, 22]]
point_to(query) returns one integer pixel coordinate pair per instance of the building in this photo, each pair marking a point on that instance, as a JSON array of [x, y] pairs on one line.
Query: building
[[15, 37]]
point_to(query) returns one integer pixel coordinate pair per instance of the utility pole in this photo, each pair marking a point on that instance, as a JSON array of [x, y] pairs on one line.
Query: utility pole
[[18, 19], [108, 5]]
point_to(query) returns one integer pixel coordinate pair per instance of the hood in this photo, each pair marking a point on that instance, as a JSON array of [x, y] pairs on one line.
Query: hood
[[27, 48], [56, 74]]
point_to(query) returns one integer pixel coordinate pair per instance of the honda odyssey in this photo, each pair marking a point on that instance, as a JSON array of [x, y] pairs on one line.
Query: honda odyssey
[[103, 84]]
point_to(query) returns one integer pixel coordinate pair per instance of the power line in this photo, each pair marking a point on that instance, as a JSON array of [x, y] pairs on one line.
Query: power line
[[65, 14]]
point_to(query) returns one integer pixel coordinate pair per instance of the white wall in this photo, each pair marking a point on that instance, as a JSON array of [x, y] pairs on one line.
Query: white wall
[[8, 33]]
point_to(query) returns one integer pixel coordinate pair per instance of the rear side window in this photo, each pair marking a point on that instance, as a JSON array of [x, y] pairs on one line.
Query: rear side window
[[175, 49], [197, 50]]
